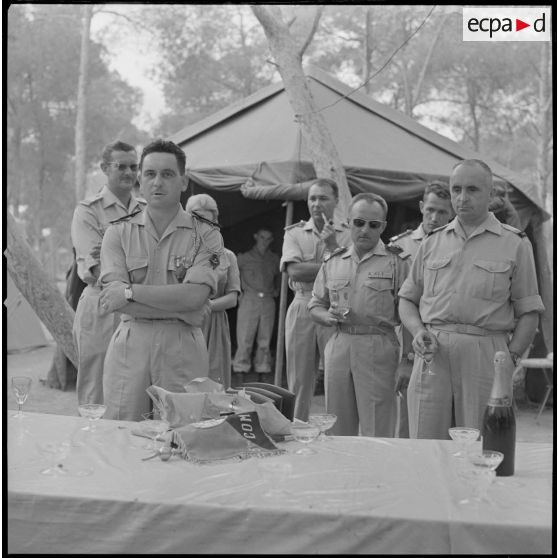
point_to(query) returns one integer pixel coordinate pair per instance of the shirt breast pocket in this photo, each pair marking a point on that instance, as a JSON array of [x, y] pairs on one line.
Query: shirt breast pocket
[[378, 297], [137, 269], [491, 280], [339, 293], [435, 272]]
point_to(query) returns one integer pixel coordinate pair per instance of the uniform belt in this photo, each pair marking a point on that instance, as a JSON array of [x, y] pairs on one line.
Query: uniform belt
[[160, 320], [466, 328], [363, 330]]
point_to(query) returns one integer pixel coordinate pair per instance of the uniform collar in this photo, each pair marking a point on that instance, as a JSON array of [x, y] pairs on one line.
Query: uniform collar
[[181, 220], [418, 233], [378, 250], [108, 199], [490, 224]]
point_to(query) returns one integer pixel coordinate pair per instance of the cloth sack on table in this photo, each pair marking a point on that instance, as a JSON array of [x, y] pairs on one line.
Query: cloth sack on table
[[232, 437], [185, 408]]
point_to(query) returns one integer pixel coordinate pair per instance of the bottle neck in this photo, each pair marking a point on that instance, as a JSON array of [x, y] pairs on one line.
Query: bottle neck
[[502, 391]]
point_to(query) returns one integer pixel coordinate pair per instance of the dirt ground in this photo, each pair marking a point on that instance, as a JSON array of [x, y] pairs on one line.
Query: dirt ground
[[35, 363]]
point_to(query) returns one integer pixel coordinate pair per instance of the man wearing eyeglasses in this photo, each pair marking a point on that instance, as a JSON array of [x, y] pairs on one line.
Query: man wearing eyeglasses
[[471, 291], [305, 245], [92, 331], [356, 292]]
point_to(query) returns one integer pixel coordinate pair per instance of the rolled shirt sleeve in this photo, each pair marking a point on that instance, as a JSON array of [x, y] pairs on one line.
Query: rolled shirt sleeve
[[413, 285], [291, 252], [233, 274], [524, 290], [86, 234], [113, 257], [320, 292]]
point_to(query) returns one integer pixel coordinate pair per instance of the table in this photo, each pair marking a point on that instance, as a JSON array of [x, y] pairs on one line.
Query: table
[[354, 495]]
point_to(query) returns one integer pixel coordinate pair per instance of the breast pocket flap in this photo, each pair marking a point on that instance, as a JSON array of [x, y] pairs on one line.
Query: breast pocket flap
[[135, 263], [438, 263], [379, 283], [493, 267]]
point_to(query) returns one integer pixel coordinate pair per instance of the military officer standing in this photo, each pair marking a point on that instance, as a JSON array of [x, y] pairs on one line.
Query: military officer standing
[[471, 291], [92, 331], [356, 291], [259, 277], [304, 246], [436, 211], [158, 270]]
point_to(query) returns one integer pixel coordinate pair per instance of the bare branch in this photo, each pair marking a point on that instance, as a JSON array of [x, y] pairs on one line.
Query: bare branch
[[312, 31], [134, 22]]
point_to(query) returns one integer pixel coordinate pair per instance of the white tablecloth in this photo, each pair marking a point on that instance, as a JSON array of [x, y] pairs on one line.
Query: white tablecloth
[[355, 495]]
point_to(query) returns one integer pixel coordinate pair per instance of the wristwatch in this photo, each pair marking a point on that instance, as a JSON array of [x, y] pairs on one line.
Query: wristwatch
[[128, 293]]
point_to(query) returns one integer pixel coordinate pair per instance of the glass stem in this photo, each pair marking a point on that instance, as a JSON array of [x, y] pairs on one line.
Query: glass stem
[[19, 408]]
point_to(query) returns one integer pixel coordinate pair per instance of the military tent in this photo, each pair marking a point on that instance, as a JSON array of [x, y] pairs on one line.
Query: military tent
[[383, 151]]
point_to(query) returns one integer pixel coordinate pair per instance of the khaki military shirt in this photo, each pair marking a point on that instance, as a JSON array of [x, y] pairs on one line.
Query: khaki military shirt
[[258, 273], [373, 282], [302, 244], [189, 251], [409, 242], [91, 218], [487, 280]]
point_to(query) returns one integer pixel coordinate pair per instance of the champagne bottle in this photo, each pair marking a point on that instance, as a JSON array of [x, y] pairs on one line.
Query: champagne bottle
[[498, 425]]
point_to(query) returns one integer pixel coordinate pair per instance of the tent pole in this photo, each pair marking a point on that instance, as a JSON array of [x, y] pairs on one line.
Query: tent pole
[[279, 353]]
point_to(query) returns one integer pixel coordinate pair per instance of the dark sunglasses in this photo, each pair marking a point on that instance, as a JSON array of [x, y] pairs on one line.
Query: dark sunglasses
[[122, 167], [359, 223]]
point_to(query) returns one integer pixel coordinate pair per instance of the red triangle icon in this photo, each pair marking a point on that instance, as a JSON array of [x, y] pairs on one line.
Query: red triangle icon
[[519, 25]]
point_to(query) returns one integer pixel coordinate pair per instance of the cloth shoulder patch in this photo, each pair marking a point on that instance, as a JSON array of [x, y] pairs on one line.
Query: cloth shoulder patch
[[336, 252]]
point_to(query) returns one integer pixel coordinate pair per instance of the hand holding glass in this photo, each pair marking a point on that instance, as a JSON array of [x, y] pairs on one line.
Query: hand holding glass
[[21, 386]]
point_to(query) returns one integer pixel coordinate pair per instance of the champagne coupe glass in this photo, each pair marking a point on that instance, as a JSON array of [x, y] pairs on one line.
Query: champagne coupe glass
[[21, 385], [154, 428], [93, 412], [481, 475], [55, 452], [464, 436], [305, 433], [324, 421], [276, 472]]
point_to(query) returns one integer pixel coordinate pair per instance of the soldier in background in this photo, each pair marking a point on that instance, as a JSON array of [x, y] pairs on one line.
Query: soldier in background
[[92, 331], [259, 277], [305, 245], [436, 211]]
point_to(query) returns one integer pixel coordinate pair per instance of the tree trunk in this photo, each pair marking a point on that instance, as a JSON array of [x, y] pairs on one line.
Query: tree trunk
[[43, 296], [81, 120], [288, 58], [368, 49], [545, 107]]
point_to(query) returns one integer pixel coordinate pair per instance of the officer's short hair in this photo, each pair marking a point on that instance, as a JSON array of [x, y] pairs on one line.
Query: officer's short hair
[[201, 201], [106, 153], [165, 146], [474, 163], [439, 189], [327, 182], [370, 198]]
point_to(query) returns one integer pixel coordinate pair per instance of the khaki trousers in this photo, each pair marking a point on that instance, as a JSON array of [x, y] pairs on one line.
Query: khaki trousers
[[463, 370], [92, 333], [360, 383], [141, 353], [305, 341]]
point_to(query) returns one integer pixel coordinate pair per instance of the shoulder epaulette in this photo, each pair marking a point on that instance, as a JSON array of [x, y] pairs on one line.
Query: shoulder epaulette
[[299, 224], [336, 252], [394, 249], [521, 234], [437, 229], [92, 199], [401, 235], [126, 217], [205, 220]]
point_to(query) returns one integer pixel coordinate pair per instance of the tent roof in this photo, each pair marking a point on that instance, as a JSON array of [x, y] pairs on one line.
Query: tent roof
[[261, 129]]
